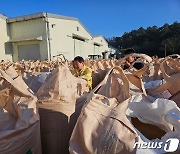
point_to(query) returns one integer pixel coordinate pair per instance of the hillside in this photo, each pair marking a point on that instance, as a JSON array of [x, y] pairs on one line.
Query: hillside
[[160, 41]]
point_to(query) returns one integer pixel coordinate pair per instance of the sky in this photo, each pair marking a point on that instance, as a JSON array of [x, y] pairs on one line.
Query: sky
[[110, 18]]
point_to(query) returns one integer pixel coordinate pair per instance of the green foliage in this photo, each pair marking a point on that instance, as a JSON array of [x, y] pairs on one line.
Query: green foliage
[[151, 41]]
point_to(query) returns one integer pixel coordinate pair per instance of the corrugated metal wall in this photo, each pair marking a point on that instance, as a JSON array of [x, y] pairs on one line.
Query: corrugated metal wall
[[27, 32], [28, 29], [29, 52]]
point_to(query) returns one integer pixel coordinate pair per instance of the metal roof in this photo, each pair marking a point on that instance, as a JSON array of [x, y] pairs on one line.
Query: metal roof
[[3, 16], [38, 15], [49, 15]]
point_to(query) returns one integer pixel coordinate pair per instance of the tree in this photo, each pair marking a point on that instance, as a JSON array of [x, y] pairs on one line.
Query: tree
[[173, 44], [152, 40]]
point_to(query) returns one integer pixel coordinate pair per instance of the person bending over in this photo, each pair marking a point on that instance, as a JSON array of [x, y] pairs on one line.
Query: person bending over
[[130, 60], [80, 70]]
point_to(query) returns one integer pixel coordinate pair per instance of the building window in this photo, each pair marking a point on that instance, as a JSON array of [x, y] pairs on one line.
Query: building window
[[77, 28], [53, 25]]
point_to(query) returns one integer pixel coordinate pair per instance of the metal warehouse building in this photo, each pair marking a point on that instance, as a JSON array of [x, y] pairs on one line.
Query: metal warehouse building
[[44, 35]]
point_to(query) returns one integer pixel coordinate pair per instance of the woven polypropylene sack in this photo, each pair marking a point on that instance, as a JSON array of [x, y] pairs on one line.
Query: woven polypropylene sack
[[57, 106], [19, 123], [170, 89], [102, 126]]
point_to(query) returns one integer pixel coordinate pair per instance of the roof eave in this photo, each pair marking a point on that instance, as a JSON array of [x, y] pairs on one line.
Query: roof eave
[[44, 14], [26, 17], [3, 16], [101, 36]]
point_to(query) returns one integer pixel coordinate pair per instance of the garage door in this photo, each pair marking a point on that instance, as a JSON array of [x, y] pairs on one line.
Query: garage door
[[79, 48], [29, 52]]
